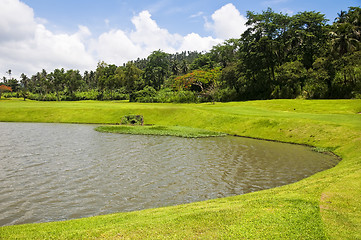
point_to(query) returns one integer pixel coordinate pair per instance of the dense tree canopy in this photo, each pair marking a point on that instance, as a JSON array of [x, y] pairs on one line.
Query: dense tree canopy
[[278, 56]]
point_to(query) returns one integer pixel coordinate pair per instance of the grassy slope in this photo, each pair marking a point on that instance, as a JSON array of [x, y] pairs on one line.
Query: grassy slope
[[326, 205]]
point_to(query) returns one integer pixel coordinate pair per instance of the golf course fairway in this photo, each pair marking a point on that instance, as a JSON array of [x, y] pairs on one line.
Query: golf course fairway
[[326, 205]]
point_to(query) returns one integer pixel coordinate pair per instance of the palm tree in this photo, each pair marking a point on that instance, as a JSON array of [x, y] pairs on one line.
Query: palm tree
[[184, 68], [355, 19], [343, 40], [175, 67], [347, 35], [341, 17], [9, 72]]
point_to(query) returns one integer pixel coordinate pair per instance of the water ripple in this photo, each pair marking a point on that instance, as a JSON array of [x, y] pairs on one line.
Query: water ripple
[[53, 172]]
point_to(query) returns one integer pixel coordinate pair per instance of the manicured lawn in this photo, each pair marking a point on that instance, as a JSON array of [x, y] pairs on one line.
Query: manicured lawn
[[326, 205]]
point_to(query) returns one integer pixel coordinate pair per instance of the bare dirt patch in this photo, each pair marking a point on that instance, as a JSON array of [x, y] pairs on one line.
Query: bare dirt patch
[[325, 201]]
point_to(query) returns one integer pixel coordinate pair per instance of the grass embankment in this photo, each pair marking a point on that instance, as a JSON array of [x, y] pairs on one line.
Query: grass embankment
[[326, 205]]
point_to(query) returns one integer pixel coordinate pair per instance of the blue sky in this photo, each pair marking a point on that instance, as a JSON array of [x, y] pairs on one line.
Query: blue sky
[[77, 34], [181, 17]]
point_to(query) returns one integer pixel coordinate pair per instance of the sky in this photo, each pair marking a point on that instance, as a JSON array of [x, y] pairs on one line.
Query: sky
[[77, 34]]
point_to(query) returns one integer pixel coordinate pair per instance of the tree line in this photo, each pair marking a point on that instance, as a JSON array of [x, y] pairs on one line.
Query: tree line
[[278, 56]]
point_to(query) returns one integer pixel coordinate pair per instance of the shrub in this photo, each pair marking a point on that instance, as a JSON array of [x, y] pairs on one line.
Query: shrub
[[226, 95], [132, 119], [89, 95], [315, 89], [164, 95], [146, 95], [186, 97]]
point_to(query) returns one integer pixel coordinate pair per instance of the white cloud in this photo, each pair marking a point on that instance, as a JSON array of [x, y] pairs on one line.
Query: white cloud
[[83, 32], [27, 46], [194, 42], [227, 22], [116, 47], [198, 14], [60, 50], [17, 21], [150, 36]]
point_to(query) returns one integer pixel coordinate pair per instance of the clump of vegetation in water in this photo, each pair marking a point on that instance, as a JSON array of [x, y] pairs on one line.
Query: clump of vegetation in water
[[177, 131]]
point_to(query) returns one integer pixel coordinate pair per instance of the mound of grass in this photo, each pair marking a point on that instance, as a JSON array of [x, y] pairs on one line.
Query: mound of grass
[[177, 131]]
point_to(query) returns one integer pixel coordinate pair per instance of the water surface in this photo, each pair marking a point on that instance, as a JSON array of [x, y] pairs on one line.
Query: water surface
[[51, 172]]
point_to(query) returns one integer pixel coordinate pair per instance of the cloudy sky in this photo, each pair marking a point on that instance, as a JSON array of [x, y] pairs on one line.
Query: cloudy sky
[[77, 34]]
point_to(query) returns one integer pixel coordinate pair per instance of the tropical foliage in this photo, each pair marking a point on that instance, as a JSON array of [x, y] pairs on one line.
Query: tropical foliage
[[278, 56], [4, 88]]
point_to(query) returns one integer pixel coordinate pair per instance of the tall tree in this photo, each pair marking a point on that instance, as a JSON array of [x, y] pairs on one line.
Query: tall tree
[[9, 73], [112, 82], [101, 76], [204, 62], [184, 67], [58, 77], [258, 51], [24, 82], [175, 68], [14, 84], [346, 34], [354, 17], [157, 69], [309, 36], [73, 81], [90, 80], [133, 78], [343, 41], [226, 53], [290, 78], [38, 83]]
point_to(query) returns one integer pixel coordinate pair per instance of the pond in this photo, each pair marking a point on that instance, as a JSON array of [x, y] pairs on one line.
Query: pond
[[51, 172]]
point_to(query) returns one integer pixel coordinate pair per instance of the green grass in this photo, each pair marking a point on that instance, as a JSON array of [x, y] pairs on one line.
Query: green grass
[[177, 131], [326, 205]]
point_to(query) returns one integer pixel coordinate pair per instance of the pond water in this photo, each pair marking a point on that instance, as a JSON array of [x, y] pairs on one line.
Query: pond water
[[51, 172]]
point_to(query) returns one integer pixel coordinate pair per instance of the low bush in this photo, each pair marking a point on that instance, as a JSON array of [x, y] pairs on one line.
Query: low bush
[[146, 95], [132, 119]]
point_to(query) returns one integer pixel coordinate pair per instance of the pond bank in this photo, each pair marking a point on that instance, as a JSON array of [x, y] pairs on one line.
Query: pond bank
[[325, 205]]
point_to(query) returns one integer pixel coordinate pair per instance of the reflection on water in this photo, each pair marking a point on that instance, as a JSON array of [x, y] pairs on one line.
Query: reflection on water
[[51, 172]]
